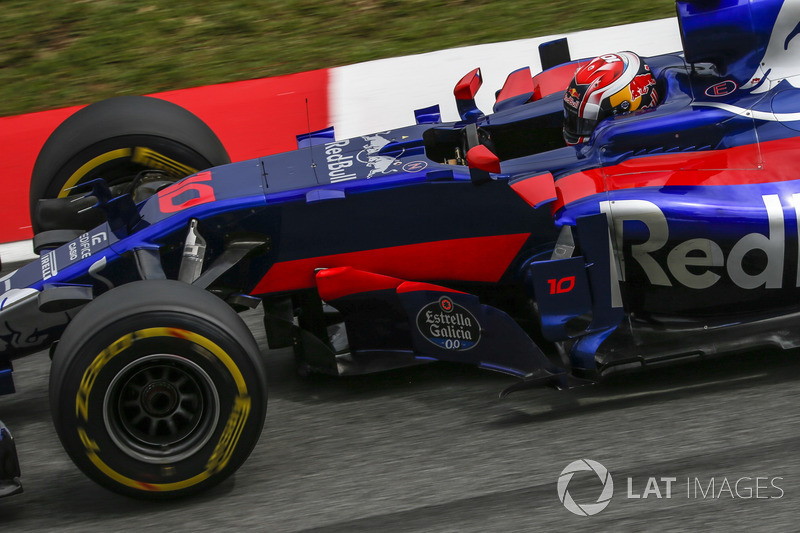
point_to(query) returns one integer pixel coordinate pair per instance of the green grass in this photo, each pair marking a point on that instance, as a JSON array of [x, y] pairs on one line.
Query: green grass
[[54, 54]]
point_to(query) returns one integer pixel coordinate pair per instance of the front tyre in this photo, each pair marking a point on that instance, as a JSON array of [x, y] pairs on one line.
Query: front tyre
[[137, 144], [157, 390]]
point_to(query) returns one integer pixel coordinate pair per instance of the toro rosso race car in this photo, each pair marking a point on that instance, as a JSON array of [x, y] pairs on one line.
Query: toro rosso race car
[[610, 214]]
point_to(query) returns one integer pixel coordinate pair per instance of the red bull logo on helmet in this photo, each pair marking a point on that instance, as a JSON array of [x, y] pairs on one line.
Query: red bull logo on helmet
[[572, 98], [641, 84]]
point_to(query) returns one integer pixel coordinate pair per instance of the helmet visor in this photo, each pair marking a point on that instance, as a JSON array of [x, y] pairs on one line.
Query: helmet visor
[[577, 129]]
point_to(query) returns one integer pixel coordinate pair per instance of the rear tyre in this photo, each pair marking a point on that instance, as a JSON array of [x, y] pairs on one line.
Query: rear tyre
[[157, 390], [137, 144]]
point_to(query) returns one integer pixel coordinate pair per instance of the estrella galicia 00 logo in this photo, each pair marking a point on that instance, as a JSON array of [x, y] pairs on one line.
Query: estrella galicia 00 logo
[[448, 325], [586, 509]]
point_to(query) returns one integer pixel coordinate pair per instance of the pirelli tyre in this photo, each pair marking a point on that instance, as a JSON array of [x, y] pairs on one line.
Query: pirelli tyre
[[157, 390], [132, 142]]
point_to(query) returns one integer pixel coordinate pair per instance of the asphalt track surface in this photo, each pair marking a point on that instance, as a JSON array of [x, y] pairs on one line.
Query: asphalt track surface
[[432, 448]]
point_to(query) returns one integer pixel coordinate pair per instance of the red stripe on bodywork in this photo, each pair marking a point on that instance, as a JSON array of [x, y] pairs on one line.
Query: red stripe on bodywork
[[335, 283], [740, 165], [472, 259], [556, 79], [416, 286], [535, 190], [578, 186]]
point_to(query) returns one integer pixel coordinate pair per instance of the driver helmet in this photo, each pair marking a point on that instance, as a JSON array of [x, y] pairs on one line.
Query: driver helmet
[[608, 85]]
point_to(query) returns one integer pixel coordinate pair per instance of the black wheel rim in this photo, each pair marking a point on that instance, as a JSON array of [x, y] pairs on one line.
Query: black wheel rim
[[161, 408]]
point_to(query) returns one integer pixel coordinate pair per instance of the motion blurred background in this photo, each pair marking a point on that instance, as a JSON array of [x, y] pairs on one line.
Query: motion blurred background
[[55, 54]]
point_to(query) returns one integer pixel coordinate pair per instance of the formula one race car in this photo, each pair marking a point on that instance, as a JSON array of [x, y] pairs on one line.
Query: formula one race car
[[664, 228]]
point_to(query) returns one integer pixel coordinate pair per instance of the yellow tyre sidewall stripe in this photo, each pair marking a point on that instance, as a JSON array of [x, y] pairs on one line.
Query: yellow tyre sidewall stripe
[[228, 439], [151, 159], [90, 165], [140, 155]]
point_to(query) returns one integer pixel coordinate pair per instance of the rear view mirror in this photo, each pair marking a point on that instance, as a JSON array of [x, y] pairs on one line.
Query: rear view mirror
[[468, 86], [465, 91]]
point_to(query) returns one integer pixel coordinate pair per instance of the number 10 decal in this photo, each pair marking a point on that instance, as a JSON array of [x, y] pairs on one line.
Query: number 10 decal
[[560, 286], [186, 193]]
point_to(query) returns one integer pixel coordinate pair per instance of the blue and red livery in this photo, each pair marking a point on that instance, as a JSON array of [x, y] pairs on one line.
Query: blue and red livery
[[673, 233]]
